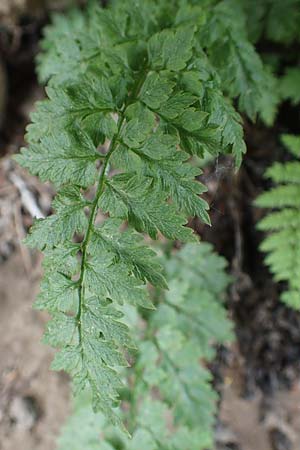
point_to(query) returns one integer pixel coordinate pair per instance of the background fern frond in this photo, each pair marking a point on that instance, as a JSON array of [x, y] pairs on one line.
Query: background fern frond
[[283, 242], [241, 69], [170, 402]]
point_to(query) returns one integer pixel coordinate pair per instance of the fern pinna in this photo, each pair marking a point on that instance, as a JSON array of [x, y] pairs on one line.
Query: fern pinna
[[168, 399], [132, 95], [283, 243]]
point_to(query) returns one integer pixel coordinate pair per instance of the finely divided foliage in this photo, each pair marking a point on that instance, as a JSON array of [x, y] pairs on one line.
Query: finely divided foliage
[[276, 21], [134, 91], [283, 224], [170, 401]]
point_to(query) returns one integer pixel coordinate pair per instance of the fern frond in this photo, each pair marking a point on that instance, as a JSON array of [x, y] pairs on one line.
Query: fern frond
[[283, 19], [283, 243], [138, 94], [240, 67], [182, 331], [273, 20]]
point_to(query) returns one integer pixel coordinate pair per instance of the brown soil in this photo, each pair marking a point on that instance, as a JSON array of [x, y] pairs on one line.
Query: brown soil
[[34, 401], [259, 422]]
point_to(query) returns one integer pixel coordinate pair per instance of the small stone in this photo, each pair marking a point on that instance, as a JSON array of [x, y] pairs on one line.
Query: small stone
[[280, 440], [24, 412]]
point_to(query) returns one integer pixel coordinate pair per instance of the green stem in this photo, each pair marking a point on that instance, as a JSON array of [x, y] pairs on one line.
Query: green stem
[[178, 309], [92, 218], [174, 369], [100, 188]]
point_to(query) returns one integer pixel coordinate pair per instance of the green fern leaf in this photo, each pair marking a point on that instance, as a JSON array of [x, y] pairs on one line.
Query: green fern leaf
[[240, 67], [127, 248], [282, 243], [115, 135], [62, 158], [126, 197], [283, 21]]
